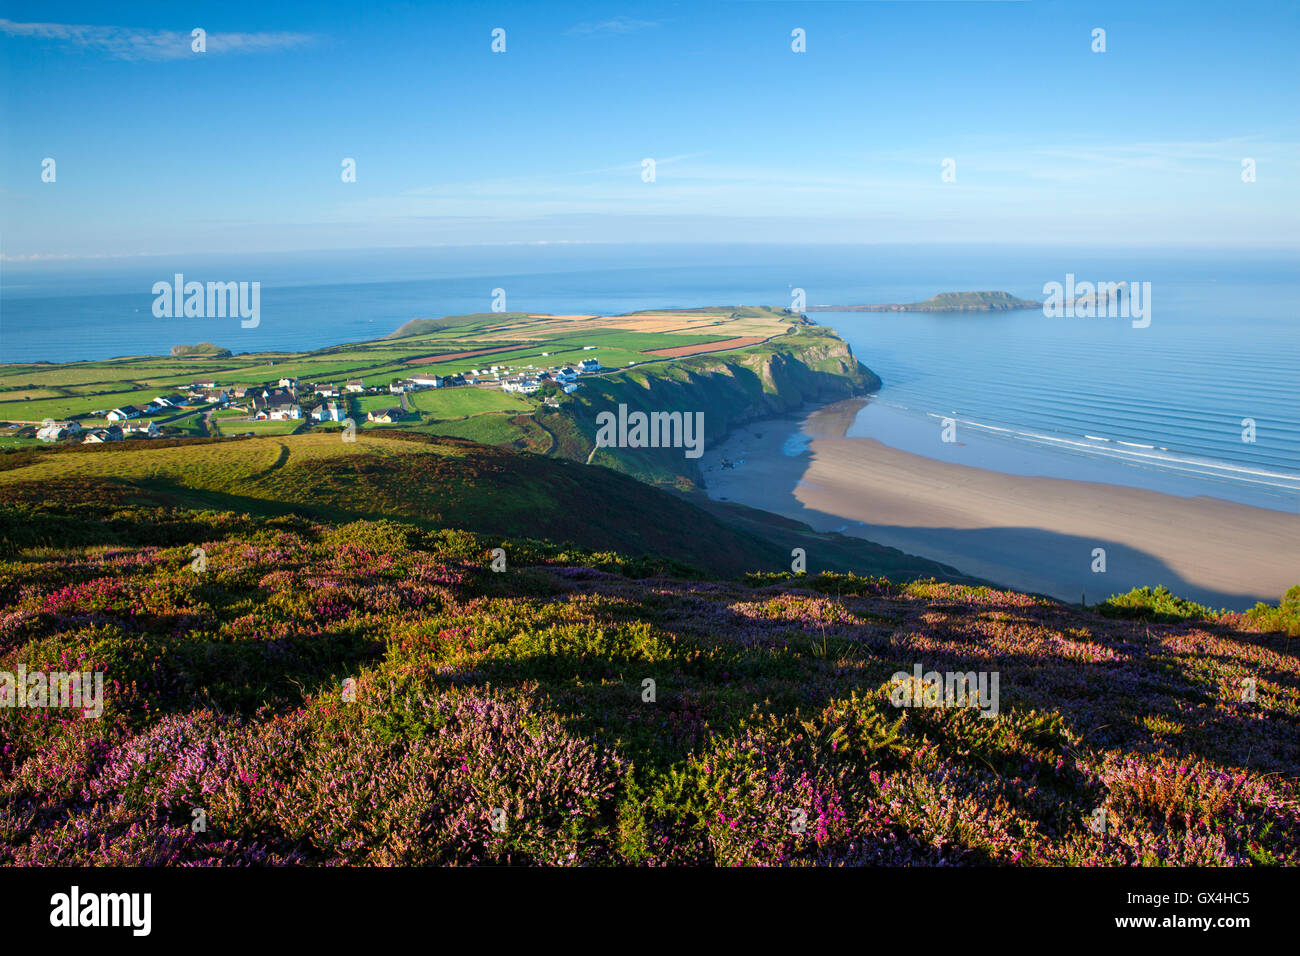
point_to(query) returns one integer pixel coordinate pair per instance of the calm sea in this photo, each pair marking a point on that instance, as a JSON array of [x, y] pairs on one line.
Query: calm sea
[[1159, 407]]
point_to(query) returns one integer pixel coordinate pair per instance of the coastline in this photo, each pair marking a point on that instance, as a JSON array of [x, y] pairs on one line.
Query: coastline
[[1024, 532]]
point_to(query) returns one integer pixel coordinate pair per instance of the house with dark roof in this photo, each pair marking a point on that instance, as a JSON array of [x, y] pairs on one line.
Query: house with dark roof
[[267, 399], [101, 435]]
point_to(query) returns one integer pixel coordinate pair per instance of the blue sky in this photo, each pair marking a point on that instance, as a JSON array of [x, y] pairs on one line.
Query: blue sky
[[160, 150]]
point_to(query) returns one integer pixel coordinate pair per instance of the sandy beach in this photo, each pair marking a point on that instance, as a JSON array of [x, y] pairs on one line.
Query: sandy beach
[[1027, 533]]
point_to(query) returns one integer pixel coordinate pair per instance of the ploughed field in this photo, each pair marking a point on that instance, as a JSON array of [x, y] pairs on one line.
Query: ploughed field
[[373, 692]]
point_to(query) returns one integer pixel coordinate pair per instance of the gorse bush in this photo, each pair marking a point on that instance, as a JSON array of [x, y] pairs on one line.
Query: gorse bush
[[1154, 604], [1159, 605], [1284, 617]]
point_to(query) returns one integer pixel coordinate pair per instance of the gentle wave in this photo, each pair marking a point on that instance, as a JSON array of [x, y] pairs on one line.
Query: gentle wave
[[1136, 453]]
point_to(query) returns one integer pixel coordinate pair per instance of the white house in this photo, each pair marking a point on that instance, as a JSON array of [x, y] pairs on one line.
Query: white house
[[57, 431], [329, 412], [426, 381], [570, 388], [355, 385], [524, 386], [278, 406], [284, 413], [386, 416], [216, 396], [125, 413], [147, 429], [589, 365]]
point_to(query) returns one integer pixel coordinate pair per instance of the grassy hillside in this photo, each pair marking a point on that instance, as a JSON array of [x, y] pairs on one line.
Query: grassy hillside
[[372, 693], [438, 482]]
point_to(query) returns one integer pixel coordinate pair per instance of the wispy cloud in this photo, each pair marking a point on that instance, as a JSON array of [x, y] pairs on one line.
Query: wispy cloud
[[636, 165], [136, 43], [618, 25]]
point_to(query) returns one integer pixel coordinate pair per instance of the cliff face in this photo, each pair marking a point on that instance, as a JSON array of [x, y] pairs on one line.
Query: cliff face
[[811, 366], [819, 371]]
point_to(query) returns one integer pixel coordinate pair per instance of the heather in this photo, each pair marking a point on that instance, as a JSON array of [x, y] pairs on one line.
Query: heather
[[373, 693]]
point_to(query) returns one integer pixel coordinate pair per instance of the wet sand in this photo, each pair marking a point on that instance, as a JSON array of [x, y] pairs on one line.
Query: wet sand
[[1027, 533]]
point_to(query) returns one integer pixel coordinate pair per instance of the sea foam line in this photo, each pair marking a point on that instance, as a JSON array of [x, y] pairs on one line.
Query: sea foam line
[[1140, 453]]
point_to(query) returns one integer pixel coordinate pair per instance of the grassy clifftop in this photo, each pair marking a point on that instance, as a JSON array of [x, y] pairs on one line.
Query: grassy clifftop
[[809, 364]]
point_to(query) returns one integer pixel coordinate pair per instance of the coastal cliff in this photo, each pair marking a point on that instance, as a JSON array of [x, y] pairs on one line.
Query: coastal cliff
[[808, 365]]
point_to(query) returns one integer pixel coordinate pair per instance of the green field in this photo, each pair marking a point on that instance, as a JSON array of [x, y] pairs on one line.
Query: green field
[[237, 427], [190, 425], [360, 405], [13, 441], [447, 403], [490, 428], [150, 369], [38, 410], [29, 393]]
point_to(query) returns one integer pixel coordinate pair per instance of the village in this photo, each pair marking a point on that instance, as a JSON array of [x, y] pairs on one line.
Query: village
[[289, 400]]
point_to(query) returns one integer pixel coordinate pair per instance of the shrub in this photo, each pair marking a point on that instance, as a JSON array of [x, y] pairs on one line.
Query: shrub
[[1285, 617], [1156, 605]]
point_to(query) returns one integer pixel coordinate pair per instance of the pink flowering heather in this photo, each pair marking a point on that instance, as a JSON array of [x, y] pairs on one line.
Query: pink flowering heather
[[373, 694]]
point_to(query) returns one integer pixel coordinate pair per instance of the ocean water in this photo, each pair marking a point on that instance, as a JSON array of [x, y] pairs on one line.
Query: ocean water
[[1205, 400], [1159, 407]]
